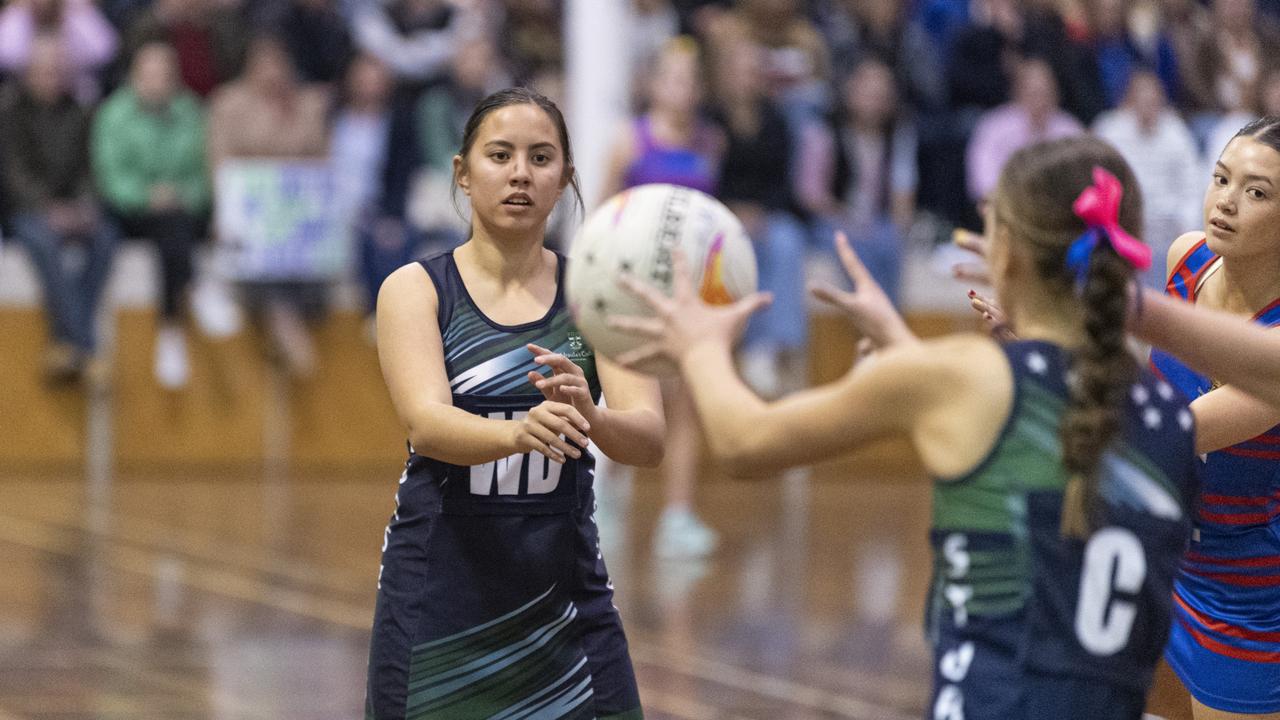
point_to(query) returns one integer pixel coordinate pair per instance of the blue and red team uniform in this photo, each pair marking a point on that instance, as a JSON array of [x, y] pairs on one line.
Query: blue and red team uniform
[[1225, 640]]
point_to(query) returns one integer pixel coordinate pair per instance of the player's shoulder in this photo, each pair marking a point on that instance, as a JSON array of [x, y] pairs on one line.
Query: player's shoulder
[[958, 358], [1180, 247], [408, 284]]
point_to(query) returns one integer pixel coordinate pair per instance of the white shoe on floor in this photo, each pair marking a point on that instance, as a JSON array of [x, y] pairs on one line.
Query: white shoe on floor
[[761, 372], [680, 534], [172, 365], [215, 310]]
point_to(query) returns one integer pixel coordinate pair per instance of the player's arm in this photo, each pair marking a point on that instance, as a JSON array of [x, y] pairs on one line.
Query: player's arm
[[1218, 344], [411, 353], [896, 393], [632, 428]]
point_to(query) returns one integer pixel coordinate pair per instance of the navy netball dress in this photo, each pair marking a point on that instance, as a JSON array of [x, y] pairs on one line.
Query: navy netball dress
[[493, 597]]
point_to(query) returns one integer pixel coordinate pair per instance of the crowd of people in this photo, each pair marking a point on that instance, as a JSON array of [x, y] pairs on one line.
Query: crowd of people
[[884, 115]]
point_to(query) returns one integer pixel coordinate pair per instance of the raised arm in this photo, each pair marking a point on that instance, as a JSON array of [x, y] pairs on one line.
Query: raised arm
[[1221, 345]]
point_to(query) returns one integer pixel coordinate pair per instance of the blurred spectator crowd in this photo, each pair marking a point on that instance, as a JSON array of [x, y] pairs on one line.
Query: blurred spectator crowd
[[888, 119]]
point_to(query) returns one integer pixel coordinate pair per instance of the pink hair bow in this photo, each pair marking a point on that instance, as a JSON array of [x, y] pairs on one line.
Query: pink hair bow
[[1099, 207]]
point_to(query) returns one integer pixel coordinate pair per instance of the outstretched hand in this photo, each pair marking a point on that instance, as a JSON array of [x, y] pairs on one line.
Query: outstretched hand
[[867, 305], [677, 324], [974, 271]]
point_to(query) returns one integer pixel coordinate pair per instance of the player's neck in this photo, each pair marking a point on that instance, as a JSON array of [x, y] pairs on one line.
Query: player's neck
[[1040, 317], [509, 260], [1248, 284]]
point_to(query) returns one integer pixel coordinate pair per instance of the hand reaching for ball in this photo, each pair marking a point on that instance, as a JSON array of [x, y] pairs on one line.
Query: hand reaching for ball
[[679, 323]]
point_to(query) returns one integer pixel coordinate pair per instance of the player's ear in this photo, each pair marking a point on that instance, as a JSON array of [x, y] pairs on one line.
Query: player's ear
[[461, 174]]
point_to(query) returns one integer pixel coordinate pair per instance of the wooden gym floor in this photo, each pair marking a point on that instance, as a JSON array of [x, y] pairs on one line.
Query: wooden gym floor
[[214, 555]]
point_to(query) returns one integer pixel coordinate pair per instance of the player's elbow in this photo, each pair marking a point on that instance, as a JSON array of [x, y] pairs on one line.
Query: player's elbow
[[738, 456]]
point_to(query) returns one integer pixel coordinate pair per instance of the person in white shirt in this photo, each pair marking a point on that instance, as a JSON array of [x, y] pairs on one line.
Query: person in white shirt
[[1162, 152]]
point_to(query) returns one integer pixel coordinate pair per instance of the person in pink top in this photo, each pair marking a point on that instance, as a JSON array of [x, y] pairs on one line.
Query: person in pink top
[[88, 40], [1034, 115]]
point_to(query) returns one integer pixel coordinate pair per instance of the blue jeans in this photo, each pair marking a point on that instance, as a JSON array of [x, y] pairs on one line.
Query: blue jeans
[[878, 246], [380, 254], [71, 289], [779, 251]]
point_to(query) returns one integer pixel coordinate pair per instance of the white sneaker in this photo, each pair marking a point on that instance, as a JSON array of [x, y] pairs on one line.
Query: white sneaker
[[760, 371], [680, 534], [172, 366], [214, 309]]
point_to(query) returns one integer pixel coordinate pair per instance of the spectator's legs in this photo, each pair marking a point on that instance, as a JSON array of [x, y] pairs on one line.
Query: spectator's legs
[[782, 328], [880, 248], [679, 532], [100, 250], [44, 246]]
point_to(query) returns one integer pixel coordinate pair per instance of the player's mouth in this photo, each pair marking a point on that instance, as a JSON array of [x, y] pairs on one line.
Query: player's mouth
[[1221, 225], [518, 200]]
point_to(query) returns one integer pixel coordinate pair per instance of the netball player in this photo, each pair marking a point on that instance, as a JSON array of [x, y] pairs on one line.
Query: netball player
[[1063, 475], [1225, 643], [493, 595]]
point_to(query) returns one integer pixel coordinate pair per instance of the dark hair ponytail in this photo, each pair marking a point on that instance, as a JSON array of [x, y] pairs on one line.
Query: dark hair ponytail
[[1034, 199]]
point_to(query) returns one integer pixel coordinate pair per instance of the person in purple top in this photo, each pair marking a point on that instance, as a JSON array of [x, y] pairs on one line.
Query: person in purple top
[[671, 142]]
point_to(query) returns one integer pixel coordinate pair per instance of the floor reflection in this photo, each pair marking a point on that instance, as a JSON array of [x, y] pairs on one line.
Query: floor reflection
[[248, 597]]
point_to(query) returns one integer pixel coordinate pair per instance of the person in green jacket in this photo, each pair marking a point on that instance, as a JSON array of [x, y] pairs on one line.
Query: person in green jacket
[[149, 160]]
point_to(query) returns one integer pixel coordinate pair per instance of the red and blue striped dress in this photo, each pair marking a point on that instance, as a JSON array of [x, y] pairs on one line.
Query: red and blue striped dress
[[1225, 640]]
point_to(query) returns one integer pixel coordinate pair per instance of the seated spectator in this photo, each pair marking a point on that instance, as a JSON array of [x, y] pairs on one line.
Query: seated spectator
[[1126, 37], [755, 184], [1033, 116], [207, 35], [859, 173], [1266, 103], [886, 29], [148, 152], [360, 152], [415, 38], [654, 22], [530, 37], [1158, 146], [797, 63], [47, 181], [318, 38], [87, 38], [269, 114], [1230, 53]]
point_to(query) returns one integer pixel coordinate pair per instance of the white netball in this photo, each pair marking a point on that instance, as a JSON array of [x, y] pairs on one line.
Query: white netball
[[637, 231]]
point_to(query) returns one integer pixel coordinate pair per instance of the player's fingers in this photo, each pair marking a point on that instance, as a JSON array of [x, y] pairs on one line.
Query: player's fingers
[[644, 327], [752, 304], [682, 280], [535, 379], [634, 358], [830, 294], [568, 414], [971, 241], [852, 263], [977, 273], [556, 444], [561, 382], [558, 362], [647, 293], [866, 346]]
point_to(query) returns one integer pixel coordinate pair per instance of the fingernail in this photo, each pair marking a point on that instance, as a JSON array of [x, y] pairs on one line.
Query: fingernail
[[972, 293]]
